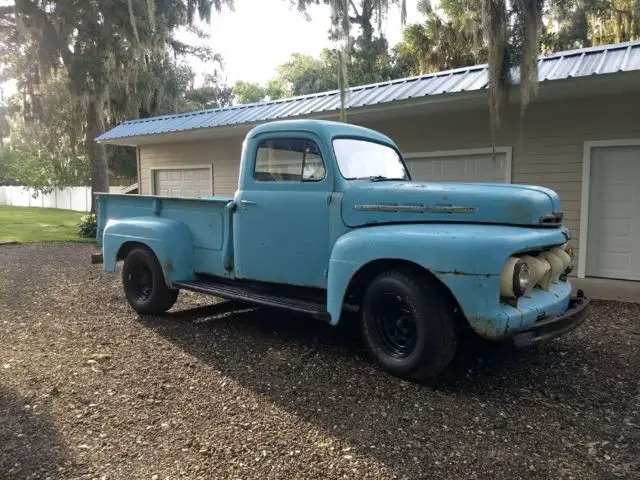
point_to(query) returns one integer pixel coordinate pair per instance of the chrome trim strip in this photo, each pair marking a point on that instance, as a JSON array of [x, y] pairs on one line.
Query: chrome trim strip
[[417, 208]]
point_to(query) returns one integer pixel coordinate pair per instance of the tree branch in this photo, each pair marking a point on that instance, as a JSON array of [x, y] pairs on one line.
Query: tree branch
[[41, 21], [353, 5]]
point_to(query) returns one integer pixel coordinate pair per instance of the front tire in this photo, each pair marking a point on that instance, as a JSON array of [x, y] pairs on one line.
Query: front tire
[[408, 324], [144, 283]]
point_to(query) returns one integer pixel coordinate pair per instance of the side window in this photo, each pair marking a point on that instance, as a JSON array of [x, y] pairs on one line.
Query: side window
[[288, 160]]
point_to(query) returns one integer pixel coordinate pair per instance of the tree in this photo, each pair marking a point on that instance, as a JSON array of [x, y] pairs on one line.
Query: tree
[[46, 146], [99, 43], [368, 53], [584, 23], [250, 92], [304, 74], [212, 94], [438, 44], [511, 30], [247, 92]]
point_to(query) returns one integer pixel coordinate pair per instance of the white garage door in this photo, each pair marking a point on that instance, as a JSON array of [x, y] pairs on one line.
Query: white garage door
[[613, 241], [460, 167], [183, 182]]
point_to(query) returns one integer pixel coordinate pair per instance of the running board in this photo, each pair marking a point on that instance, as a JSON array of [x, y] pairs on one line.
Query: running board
[[243, 293]]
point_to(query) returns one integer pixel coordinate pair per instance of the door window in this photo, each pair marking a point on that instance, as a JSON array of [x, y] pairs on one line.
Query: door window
[[288, 160]]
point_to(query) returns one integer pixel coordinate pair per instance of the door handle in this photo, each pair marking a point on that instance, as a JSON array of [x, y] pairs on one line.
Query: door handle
[[248, 202]]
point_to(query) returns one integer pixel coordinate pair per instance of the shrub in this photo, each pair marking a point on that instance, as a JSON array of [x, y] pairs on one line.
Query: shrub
[[88, 226]]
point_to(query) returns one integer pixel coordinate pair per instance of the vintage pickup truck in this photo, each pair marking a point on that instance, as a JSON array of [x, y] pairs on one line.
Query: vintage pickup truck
[[327, 221]]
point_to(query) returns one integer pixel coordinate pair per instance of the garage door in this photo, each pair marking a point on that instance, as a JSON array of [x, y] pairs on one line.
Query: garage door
[[184, 182], [613, 241], [459, 167]]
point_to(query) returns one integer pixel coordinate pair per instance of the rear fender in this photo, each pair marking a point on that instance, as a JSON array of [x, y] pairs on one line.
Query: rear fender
[[467, 259], [170, 240]]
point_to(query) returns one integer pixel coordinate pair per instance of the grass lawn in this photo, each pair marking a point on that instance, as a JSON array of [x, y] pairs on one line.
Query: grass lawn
[[29, 225]]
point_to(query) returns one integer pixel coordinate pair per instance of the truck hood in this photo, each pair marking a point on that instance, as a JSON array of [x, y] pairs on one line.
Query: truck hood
[[367, 202]]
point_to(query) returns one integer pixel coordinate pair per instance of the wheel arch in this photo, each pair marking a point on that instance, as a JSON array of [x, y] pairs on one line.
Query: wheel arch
[[127, 246], [131, 245], [169, 240], [361, 278]]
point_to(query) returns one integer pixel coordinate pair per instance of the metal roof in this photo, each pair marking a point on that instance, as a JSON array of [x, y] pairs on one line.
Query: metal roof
[[601, 60]]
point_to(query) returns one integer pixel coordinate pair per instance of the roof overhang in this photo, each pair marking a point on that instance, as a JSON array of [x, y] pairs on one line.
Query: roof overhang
[[600, 85]]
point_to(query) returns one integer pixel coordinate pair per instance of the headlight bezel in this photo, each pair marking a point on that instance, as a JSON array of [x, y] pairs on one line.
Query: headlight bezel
[[521, 272]]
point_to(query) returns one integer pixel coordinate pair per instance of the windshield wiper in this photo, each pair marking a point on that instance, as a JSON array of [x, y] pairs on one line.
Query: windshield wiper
[[380, 178]]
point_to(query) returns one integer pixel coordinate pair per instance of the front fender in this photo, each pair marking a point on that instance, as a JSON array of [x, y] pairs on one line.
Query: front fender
[[169, 239], [468, 259]]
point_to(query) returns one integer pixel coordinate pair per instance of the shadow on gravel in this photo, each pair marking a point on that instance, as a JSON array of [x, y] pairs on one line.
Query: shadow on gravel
[[478, 364], [320, 373], [29, 446]]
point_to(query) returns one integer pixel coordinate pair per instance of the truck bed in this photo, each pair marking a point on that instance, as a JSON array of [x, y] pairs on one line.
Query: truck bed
[[207, 219]]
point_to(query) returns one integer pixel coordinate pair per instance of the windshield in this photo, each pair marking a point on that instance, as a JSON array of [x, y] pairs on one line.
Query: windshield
[[363, 159]]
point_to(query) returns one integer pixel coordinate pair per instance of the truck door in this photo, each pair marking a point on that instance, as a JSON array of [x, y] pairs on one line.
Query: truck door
[[282, 220]]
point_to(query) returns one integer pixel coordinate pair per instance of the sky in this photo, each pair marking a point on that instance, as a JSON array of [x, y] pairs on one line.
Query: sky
[[262, 34]]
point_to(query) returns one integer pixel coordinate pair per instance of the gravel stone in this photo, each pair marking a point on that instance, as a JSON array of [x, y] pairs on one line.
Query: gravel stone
[[91, 390]]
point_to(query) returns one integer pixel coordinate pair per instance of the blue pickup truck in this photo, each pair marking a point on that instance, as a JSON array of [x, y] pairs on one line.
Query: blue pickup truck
[[327, 221]]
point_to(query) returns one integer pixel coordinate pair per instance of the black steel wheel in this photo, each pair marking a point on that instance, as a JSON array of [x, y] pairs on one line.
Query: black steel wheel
[[141, 281], [408, 324], [395, 324], [144, 283]]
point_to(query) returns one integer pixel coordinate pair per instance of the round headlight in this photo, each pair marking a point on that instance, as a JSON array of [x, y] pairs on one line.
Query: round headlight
[[521, 278]]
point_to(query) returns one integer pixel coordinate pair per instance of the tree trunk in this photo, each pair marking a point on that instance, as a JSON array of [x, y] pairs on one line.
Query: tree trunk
[[95, 151], [365, 21]]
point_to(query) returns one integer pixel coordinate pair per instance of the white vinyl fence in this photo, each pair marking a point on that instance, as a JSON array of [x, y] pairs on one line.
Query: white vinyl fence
[[69, 198]]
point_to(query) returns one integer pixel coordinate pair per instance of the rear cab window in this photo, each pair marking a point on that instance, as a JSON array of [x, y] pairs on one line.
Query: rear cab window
[[288, 160]]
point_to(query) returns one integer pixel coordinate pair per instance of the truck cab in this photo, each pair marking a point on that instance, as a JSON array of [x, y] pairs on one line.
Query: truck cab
[[327, 220]]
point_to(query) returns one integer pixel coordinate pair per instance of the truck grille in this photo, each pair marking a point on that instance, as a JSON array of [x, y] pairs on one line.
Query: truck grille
[[548, 266]]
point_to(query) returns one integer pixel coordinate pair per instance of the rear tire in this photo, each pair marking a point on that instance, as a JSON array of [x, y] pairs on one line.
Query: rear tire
[[408, 324], [144, 283]]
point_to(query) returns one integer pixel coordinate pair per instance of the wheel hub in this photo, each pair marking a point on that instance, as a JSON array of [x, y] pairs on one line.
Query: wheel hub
[[395, 325], [142, 281]]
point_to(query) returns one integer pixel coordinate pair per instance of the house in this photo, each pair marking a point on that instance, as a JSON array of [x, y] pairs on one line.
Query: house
[[580, 137]]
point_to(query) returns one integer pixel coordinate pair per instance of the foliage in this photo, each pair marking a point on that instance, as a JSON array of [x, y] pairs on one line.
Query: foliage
[[584, 23], [367, 55], [44, 150], [10, 166], [114, 54], [212, 94], [88, 226], [30, 224], [366, 58], [438, 44], [304, 74], [248, 92], [98, 63], [508, 33]]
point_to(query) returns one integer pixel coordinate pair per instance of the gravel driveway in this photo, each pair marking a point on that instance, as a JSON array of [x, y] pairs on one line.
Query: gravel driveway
[[90, 390]]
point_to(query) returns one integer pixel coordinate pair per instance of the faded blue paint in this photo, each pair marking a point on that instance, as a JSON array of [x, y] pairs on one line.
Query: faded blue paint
[[282, 228], [170, 240], [467, 258], [501, 204], [186, 235], [315, 233]]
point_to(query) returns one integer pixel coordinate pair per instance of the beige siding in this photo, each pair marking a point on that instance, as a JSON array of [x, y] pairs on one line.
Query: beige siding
[[224, 155], [547, 151]]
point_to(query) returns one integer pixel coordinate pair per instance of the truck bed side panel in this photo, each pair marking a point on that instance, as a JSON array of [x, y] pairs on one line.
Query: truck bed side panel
[[206, 219]]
